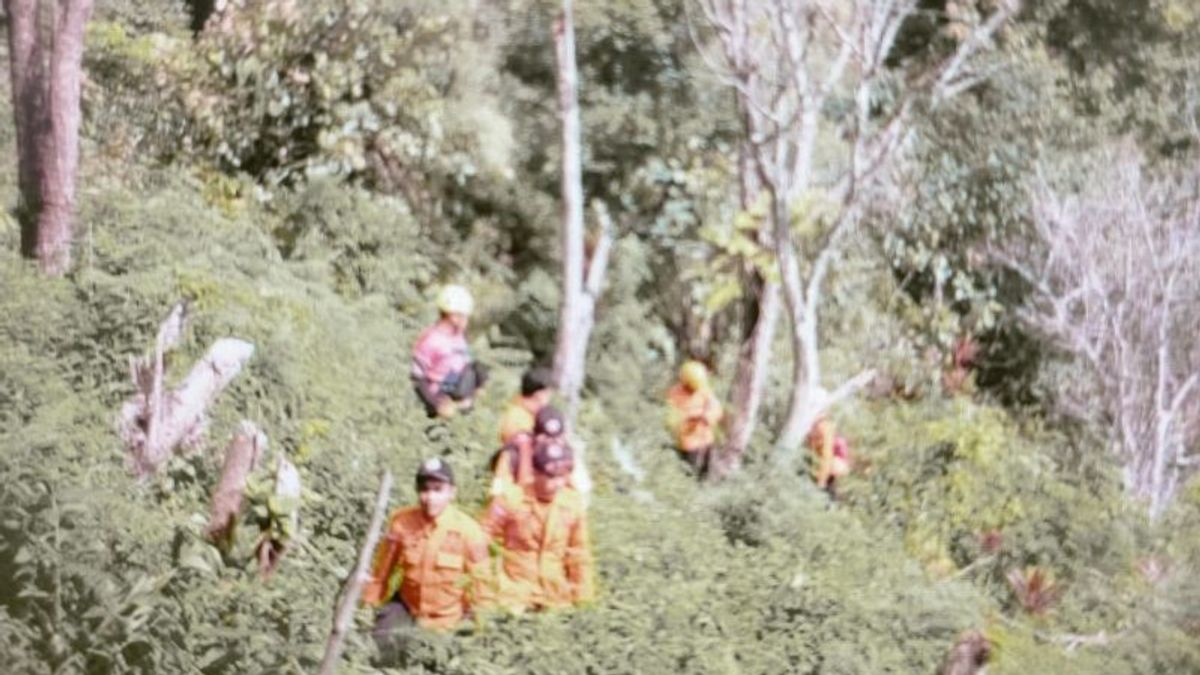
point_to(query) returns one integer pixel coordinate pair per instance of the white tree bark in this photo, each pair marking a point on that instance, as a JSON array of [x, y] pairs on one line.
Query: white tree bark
[[1115, 284], [581, 288], [784, 58], [154, 422]]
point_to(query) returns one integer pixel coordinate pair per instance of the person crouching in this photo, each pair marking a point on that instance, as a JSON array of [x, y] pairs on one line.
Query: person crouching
[[445, 376]]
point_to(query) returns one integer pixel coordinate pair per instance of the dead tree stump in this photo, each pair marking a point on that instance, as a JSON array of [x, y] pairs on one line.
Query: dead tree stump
[[154, 421], [241, 457]]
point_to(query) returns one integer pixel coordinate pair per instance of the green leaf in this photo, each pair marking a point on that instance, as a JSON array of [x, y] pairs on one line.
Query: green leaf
[[721, 295]]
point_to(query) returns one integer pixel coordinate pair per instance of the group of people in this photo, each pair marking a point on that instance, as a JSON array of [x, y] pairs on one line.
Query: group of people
[[435, 566], [694, 415]]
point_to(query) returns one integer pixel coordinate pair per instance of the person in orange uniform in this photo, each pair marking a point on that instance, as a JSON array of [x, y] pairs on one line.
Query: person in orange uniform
[[512, 464], [693, 413], [831, 455], [551, 424], [543, 531], [520, 415], [441, 554]]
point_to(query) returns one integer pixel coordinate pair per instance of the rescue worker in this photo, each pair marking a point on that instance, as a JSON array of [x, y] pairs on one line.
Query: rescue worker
[[441, 555], [445, 376], [831, 455], [543, 531], [693, 413], [512, 466], [521, 413], [551, 423]]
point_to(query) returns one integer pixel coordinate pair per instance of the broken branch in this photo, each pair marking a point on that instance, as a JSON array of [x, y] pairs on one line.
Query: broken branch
[[348, 600]]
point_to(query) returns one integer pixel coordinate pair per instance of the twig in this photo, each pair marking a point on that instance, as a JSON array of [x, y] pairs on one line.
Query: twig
[[597, 266], [975, 564], [1072, 641]]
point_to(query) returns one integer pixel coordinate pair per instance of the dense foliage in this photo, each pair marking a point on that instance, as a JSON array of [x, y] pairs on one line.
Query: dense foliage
[[305, 176]]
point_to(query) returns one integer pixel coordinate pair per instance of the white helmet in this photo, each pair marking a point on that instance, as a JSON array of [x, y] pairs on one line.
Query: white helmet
[[455, 299]]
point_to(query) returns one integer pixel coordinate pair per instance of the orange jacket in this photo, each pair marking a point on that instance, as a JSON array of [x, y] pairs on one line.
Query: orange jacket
[[512, 467], [519, 416], [442, 563], [692, 416], [547, 559]]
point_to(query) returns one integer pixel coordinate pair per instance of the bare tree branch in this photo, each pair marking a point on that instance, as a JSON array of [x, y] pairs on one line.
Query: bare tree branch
[[1105, 267], [972, 44], [347, 602]]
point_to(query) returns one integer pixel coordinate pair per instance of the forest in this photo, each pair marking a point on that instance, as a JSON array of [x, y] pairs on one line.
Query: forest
[[964, 232]]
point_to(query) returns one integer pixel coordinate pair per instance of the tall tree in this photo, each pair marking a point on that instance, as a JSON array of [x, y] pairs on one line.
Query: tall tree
[[1112, 271], [580, 287], [46, 72], [789, 61], [754, 354]]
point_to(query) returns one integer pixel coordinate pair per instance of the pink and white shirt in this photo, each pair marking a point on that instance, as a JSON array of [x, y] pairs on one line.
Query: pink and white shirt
[[441, 350]]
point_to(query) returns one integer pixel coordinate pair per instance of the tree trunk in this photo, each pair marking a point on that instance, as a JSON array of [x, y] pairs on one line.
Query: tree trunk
[[27, 68], [755, 353], [805, 363], [807, 399], [581, 331], [60, 147], [575, 313], [750, 381], [47, 116], [241, 456]]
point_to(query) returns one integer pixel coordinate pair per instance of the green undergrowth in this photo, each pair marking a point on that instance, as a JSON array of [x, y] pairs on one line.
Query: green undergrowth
[[758, 575]]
